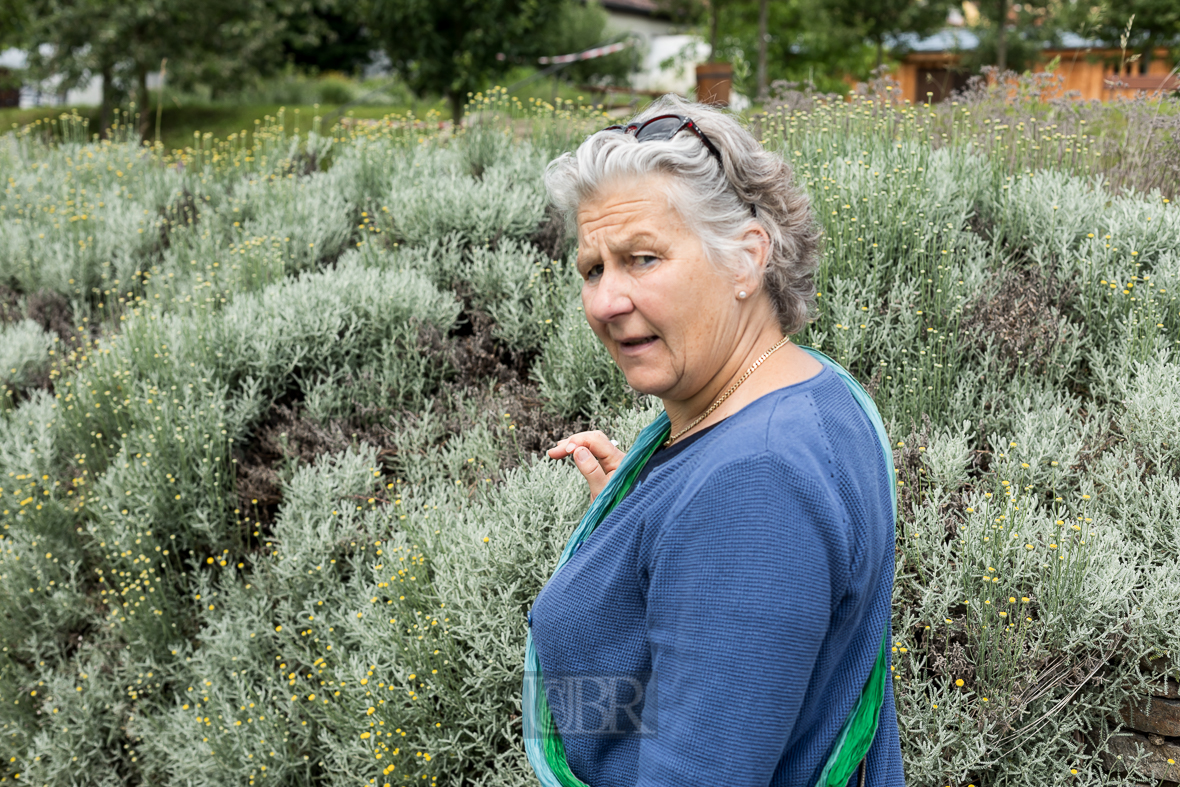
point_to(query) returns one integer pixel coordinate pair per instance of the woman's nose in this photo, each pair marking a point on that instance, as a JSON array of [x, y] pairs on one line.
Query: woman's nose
[[609, 297]]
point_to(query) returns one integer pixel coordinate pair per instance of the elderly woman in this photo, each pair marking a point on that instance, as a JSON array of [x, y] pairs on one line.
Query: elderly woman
[[721, 614]]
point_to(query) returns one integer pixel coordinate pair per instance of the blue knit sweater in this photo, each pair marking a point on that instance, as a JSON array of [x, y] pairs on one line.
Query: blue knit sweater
[[719, 624]]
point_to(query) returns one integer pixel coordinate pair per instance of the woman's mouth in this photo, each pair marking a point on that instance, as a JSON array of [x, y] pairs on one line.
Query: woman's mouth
[[636, 345]]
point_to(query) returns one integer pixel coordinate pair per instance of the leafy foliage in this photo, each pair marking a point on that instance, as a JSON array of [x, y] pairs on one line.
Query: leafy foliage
[[1011, 45], [1141, 25], [883, 21], [453, 48], [580, 26], [219, 44]]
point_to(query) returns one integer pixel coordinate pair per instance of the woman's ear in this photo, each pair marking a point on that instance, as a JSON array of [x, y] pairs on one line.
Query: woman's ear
[[758, 241], [756, 250]]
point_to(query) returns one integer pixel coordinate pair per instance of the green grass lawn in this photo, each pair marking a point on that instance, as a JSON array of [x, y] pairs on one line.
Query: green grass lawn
[[178, 125]]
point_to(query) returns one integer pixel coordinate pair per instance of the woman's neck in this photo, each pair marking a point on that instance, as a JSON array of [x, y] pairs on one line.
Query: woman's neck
[[785, 366]]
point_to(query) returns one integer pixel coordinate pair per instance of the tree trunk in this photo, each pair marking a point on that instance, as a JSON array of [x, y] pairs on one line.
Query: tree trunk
[[108, 100], [143, 102], [456, 99], [1148, 49], [763, 34], [714, 12], [1002, 38]]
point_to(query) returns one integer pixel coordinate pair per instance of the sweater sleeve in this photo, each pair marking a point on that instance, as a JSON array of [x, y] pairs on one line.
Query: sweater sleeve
[[739, 601]]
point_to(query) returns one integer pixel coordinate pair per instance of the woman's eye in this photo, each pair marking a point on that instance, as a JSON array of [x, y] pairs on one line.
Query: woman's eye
[[645, 259], [594, 272]]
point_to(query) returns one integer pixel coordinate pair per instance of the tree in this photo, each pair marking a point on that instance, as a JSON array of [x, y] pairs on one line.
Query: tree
[[1033, 21], [455, 47], [884, 20], [218, 43], [803, 44], [714, 9], [816, 42], [328, 39], [580, 26], [77, 47], [1146, 25], [763, 93], [14, 19]]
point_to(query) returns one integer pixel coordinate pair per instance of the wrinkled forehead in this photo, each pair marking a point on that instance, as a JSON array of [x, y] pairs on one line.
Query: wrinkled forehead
[[627, 205], [620, 222]]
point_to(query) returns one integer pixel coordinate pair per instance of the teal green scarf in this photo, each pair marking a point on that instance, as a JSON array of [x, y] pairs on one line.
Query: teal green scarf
[[542, 741]]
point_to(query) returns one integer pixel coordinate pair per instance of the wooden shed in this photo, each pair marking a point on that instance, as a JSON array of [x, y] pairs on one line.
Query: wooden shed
[[1094, 71], [1101, 73]]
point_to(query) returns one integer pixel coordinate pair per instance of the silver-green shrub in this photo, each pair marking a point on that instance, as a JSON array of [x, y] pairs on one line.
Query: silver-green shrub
[[26, 350], [1018, 327], [480, 196], [576, 374]]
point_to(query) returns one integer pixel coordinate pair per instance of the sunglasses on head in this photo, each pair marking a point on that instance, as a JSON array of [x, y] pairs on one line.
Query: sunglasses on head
[[663, 127]]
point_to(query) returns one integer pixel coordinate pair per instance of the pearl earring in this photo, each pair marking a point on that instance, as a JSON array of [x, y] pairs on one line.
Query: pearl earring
[[742, 295]]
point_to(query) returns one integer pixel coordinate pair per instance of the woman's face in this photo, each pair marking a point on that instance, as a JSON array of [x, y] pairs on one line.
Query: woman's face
[[668, 317]]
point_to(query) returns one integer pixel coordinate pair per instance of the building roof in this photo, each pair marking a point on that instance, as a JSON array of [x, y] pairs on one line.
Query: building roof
[[1068, 40], [947, 40], [961, 39]]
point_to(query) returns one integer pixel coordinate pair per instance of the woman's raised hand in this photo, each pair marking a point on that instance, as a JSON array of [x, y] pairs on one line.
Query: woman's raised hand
[[595, 456]]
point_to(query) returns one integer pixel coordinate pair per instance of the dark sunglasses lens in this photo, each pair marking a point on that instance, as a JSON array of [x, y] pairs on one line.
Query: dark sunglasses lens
[[663, 128]]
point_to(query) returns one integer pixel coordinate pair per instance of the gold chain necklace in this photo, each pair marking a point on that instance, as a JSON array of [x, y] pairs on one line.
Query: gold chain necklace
[[726, 395]]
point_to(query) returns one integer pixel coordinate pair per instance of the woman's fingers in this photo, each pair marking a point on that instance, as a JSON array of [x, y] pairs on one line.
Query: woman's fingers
[[589, 466], [558, 451], [596, 442], [595, 455]]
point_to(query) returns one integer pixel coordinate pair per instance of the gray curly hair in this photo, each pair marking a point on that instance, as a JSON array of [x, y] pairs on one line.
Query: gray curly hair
[[715, 201]]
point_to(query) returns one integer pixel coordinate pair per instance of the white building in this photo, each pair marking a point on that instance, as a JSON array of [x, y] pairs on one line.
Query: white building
[[660, 42], [47, 93], [670, 56]]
